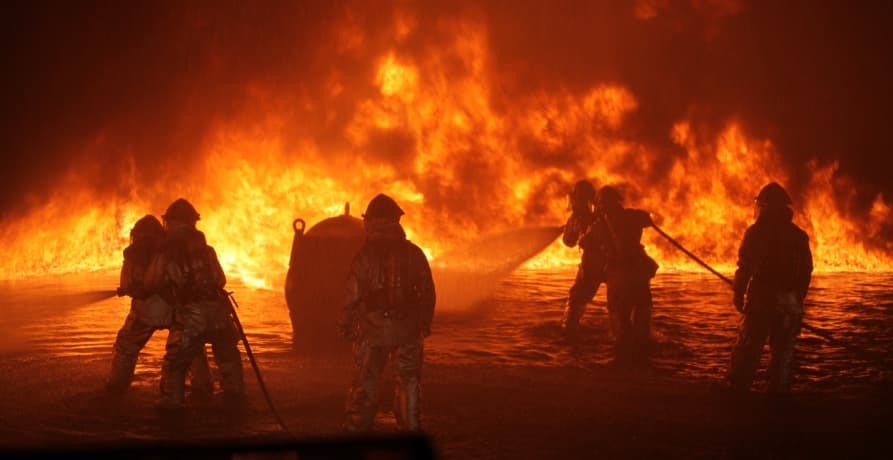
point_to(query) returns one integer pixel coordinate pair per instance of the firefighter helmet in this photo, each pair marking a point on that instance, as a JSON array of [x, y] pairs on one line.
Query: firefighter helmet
[[608, 194], [383, 206], [773, 195], [583, 192], [181, 210], [147, 227]]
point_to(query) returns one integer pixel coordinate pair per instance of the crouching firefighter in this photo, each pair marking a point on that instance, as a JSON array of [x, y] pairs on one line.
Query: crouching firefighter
[[591, 271], [387, 311], [148, 311], [188, 274], [774, 271]]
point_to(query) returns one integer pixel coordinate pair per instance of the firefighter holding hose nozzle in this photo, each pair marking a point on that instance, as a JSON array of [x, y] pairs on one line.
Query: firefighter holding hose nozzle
[[591, 271], [387, 312], [188, 274], [774, 272], [628, 272], [148, 311]]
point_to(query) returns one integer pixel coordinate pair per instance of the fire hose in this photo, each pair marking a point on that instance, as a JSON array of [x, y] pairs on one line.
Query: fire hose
[[263, 387], [815, 330]]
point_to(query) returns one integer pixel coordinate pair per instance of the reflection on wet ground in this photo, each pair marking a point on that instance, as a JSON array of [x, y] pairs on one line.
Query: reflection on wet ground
[[694, 324], [59, 332]]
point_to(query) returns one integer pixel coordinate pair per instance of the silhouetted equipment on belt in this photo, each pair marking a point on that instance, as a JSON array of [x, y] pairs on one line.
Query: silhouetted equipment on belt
[[315, 283], [815, 330], [260, 380]]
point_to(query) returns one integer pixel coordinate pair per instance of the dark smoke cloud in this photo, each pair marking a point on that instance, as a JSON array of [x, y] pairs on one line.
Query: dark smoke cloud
[[811, 76], [105, 87], [142, 81]]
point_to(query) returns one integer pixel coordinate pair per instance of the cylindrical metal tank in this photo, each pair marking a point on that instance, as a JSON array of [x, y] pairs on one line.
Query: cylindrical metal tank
[[314, 286]]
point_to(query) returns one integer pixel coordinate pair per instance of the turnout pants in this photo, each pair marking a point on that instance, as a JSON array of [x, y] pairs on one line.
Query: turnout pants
[[362, 398], [132, 337], [590, 275], [195, 325], [759, 323], [629, 308]]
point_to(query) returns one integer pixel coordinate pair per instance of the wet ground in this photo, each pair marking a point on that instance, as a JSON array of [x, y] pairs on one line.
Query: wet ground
[[500, 381]]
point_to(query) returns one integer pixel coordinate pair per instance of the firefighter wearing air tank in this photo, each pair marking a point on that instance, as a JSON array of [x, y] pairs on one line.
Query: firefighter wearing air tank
[[148, 311], [388, 309], [628, 271], [591, 271], [774, 271], [187, 273]]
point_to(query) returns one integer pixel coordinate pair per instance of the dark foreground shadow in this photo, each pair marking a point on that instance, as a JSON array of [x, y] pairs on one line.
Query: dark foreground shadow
[[385, 447]]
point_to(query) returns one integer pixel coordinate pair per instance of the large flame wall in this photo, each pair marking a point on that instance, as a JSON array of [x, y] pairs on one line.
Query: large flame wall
[[426, 121]]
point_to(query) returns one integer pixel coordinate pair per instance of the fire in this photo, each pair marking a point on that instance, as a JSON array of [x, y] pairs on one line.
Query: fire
[[833, 235], [397, 80], [427, 129]]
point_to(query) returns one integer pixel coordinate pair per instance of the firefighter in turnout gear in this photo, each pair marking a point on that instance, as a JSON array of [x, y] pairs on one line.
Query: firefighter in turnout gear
[[591, 271], [187, 273], [148, 311], [387, 311], [774, 271], [628, 272]]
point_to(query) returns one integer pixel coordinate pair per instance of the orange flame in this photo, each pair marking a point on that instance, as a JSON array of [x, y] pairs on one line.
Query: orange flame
[[436, 115]]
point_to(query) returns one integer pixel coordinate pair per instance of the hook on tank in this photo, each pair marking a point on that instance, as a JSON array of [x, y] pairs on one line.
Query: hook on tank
[[314, 286]]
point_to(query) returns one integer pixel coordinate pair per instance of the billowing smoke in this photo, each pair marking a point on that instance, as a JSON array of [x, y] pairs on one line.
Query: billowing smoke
[[456, 102]]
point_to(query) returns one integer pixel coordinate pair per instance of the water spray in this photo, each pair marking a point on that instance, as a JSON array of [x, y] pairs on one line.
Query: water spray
[[89, 297]]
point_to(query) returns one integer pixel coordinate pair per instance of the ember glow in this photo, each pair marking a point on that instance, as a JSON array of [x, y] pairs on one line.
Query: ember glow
[[424, 119]]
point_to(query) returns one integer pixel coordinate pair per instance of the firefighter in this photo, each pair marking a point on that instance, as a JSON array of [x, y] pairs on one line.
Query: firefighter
[[591, 271], [148, 312], [387, 312], [774, 271], [628, 272], [187, 273]]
